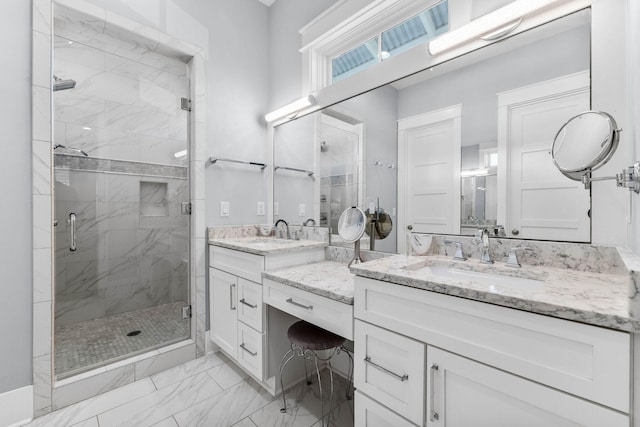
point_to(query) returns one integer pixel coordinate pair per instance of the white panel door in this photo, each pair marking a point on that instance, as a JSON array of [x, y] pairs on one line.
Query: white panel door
[[541, 203], [429, 165], [465, 393], [223, 304]]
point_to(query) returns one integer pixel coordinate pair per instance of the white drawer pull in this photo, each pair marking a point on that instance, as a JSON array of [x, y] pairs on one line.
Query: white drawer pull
[[433, 415], [243, 301], [242, 346], [368, 361], [306, 307]]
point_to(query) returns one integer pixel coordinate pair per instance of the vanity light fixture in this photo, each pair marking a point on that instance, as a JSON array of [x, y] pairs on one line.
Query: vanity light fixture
[[491, 26], [291, 109]]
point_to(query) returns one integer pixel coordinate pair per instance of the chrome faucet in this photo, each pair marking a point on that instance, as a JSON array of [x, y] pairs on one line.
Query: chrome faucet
[[513, 261], [278, 222], [310, 220], [485, 257], [459, 255]]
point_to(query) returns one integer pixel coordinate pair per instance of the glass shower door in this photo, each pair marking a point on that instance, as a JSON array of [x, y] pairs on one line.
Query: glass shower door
[[120, 197]]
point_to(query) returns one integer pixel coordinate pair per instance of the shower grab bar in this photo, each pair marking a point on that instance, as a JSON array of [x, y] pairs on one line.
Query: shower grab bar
[[214, 160], [72, 232], [309, 173]]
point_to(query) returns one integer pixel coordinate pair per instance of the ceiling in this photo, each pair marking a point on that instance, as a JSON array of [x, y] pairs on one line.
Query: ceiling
[[267, 2]]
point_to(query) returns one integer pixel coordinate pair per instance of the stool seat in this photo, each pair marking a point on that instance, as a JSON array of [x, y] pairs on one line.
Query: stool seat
[[310, 337]]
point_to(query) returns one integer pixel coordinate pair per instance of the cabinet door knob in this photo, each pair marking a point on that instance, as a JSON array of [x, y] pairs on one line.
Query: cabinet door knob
[[515, 231], [409, 227]]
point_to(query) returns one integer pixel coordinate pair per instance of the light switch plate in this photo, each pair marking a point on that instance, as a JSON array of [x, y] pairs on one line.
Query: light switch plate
[[224, 208], [302, 209], [260, 209]]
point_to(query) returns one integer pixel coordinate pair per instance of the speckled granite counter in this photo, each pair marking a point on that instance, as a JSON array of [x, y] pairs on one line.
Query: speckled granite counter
[[266, 245], [328, 279], [593, 298]]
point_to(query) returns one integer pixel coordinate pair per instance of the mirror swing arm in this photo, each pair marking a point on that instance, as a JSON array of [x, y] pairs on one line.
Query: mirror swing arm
[[628, 178], [585, 143]]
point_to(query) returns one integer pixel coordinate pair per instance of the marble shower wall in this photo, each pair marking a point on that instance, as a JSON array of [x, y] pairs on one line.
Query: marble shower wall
[[128, 256], [127, 101], [125, 113]]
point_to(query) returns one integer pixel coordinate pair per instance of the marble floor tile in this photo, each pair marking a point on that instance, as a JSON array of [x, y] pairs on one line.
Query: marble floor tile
[[342, 416], [180, 372], [227, 375], [91, 422], [96, 405], [227, 408], [245, 422], [303, 404], [207, 392], [167, 422], [162, 403]]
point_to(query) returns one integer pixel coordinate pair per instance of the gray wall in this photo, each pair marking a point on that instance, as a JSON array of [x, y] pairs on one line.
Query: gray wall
[[15, 181], [549, 58], [286, 18]]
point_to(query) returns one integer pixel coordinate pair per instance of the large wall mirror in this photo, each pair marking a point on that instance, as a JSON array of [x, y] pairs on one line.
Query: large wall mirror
[[457, 147]]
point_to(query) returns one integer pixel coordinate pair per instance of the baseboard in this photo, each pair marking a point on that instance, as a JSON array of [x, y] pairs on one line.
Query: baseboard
[[16, 407]]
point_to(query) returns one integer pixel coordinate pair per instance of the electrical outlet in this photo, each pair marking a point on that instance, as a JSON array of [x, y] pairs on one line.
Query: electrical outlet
[[393, 212], [260, 209], [372, 207], [302, 209], [224, 208], [276, 208]]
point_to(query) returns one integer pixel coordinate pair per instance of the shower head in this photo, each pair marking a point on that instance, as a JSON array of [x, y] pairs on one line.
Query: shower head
[[59, 84], [77, 150]]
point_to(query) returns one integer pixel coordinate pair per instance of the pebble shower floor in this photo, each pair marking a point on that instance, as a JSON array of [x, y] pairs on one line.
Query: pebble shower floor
[[86, 345]]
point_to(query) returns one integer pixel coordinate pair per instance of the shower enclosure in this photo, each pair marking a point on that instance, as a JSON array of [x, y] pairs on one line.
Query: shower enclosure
[[121, 192]]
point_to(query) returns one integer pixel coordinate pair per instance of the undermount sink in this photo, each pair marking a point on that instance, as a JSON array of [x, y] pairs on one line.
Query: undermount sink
[[268, 241], [494, 276], [492, 280]]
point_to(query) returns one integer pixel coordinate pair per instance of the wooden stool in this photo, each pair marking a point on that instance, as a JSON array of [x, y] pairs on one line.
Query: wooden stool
[[306, 340]]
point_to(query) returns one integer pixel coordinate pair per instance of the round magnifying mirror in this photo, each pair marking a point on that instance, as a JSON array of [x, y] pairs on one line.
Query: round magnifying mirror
[[351, 224], [584, 143]]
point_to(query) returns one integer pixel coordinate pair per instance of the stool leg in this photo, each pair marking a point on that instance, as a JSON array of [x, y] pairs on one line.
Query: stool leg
[[350, 377], [288, 356], [330, 391], [306, 374], [315, 358]]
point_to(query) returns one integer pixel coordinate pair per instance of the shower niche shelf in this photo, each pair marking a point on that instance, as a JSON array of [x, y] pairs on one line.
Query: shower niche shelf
[[153, 199]]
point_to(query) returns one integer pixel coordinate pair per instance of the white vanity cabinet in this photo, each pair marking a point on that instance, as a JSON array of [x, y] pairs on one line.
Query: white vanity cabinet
[[238, 317], [235, 300], [484, 365]]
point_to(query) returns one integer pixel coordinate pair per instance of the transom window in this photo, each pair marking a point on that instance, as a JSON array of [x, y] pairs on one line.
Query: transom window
[[411, 32]]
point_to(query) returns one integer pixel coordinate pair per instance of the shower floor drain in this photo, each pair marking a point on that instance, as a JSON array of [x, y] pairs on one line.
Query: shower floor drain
[[134, 333]]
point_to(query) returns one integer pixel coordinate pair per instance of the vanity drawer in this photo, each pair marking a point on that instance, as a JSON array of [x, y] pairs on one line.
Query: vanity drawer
[[584, 360], [242, 264], [324, 312], [369, 413], [250, 349], [250, 304], [391, 369]]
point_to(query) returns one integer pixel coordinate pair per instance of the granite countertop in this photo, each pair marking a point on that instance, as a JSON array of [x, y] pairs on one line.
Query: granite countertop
[[593, 298], [266, 245], [327, 278]]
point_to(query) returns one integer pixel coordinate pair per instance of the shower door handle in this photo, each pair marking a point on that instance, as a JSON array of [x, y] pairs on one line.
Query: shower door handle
[[72, 232]]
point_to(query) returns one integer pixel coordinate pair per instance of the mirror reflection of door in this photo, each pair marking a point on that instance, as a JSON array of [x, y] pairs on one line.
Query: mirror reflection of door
[[340, 150], [429, 159], [542, 203]]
